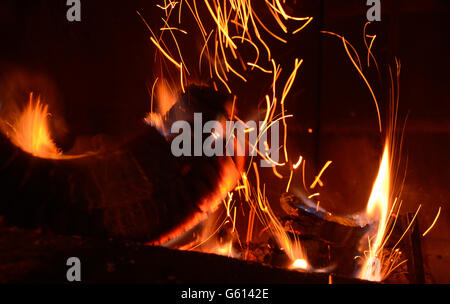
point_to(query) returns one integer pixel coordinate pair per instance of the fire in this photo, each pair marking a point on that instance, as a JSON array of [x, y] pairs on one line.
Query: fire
[[166, 98], [290, 245], [377, 211], [30, 131], [300, 264], [231, 25], [379, 199], [380, 209], [234, 23]]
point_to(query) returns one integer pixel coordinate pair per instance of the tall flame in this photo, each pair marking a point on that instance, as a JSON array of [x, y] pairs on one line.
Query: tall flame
[[30, 131], [377, 211]]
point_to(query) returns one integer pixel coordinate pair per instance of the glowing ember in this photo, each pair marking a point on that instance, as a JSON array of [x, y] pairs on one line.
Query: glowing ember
[[300, 264]]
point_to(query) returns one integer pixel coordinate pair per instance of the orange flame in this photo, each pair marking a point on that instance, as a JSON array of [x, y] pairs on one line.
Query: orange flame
[[30, 131], [166, 97], [378, 210]]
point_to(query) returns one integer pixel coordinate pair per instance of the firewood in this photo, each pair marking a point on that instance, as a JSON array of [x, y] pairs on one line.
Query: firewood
[[318, 223], [135, 190], [329, 241]]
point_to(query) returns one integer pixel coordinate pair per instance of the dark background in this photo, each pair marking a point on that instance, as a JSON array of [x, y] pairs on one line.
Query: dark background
[[95, 73]]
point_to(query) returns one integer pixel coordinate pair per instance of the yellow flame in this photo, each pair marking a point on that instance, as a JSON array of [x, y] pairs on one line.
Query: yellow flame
[[377, 210], [30, 131]]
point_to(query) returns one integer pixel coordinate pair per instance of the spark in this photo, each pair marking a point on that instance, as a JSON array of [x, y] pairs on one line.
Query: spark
[[289, 182], [303, 26], [177, 64], [313, 195], [153, 94], [170, 4], [173, 29], [434, 222], [297, 164], [317, 179], [259, 68], [276, 173], [359, 69]]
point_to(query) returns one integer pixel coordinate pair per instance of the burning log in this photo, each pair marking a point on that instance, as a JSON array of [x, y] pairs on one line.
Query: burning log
[[317, 222], [329, 239], [136, 190]]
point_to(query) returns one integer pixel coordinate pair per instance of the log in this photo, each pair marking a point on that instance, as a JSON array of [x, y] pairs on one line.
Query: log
[[330, 241], [333, 229], [134, 190]]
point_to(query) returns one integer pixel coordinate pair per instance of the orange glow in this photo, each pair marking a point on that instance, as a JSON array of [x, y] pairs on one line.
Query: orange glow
[[166, 97], [300, 264], [30, 131], [377, 210], [226, 26], [291, 247]]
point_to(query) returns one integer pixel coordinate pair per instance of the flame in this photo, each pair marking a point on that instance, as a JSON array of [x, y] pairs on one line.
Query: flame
[[381, 211], [166, 97], [31, 133], [291, 246], [378, 210], [225, 250]]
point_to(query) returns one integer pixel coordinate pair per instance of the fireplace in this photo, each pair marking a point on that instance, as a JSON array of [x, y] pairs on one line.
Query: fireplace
[[277, 142]]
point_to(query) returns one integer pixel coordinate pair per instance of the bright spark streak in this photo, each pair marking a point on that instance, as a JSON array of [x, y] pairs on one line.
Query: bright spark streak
[[297, 164], [258, 67], [173, 29], [317, 180], [178, 65], [289, 182], [358, 68], [434, 223], [303, 26]]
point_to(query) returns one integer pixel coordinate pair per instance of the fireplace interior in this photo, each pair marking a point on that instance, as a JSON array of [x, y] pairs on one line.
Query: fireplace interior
[[133, 216]]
